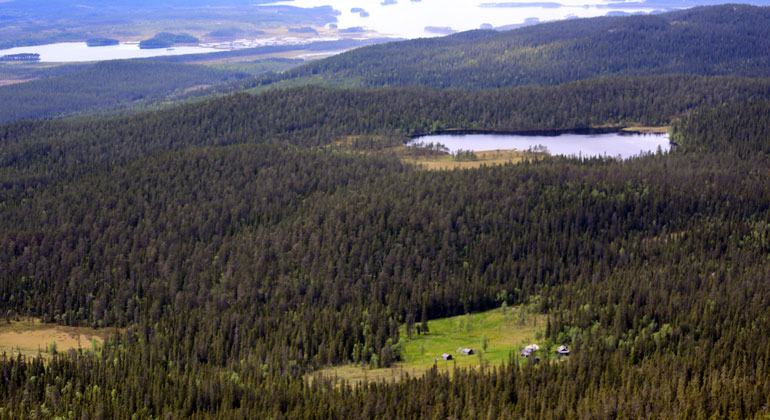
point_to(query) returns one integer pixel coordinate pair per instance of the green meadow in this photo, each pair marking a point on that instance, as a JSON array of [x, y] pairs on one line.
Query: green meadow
[[504, 330]]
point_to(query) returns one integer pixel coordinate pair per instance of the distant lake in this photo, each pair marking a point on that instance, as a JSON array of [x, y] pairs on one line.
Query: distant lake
[[80, 52], [624, 145], [410, 18]]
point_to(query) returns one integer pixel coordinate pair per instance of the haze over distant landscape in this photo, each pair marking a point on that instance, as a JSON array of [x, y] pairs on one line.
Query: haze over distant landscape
[[409, 19], [39, 22]]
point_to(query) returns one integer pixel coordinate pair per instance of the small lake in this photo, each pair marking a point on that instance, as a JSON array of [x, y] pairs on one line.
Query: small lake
[[80, 52], [624, 145]]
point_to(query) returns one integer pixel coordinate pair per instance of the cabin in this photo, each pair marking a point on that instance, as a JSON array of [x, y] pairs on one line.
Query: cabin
[[562, 350], [466, 351], [446, 356], [528, 350]]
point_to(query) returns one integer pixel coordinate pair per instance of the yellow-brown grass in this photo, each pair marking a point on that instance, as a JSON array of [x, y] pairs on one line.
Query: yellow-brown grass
[[484, 158], [646, 130], [32, 337]]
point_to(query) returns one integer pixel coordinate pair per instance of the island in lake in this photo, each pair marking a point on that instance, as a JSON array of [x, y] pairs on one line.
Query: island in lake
[[102, 42], [21, 57], [440, 30], [167, 40]]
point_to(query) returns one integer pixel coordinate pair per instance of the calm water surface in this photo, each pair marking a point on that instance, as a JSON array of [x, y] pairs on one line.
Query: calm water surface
[[612, 144], [408, 18], [80, 52]]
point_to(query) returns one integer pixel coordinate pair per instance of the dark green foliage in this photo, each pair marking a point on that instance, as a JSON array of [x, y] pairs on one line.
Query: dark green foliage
[[237, 268], [103, 86], [242, 243], [732, 39], [741, 128], [15, 71], [101, 42], [266, 257], [316, 116], [167, 39]]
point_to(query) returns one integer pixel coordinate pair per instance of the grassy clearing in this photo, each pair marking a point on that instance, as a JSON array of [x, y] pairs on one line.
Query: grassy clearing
[[504, 332], [483, 158], [646, 130], [32, 337]]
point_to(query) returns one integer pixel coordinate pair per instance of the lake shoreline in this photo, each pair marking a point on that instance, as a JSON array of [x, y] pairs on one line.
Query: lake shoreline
[[603, 141], [546, 133]]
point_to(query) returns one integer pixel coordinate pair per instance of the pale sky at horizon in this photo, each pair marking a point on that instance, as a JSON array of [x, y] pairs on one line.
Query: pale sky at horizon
[[408, 19]]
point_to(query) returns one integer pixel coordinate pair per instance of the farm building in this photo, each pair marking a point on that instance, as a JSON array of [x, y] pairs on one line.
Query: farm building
[[466, 351], [528, 350], [446, 356]]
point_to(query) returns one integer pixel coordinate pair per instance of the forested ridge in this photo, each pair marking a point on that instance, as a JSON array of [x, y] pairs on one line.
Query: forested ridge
[[35, 152], [238, 244], [720, 40], [105, 86]]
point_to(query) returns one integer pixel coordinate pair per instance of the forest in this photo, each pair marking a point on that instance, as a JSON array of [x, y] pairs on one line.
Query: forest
[[104, 86], [720, 40], [127, 86], [237, 244]]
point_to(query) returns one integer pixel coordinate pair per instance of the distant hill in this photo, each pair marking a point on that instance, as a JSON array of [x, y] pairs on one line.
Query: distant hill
[[167, 39], [717, 40], [104, 86]]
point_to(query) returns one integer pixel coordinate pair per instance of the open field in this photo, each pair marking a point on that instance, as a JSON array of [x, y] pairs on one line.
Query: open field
[[490, 157], [30, 337], [505, 333], [646, 130]]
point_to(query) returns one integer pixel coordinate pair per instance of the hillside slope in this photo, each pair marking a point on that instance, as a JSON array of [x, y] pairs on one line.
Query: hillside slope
[[719, 40], [104, 86]]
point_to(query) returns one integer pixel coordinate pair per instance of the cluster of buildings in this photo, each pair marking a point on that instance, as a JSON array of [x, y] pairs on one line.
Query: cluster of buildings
[[527, 351], [465, 351], [532, 348]]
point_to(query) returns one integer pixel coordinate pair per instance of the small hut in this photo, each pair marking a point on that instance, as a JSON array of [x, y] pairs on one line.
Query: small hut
[[528, 350], [446, 356], [466, 351], [563, 350]]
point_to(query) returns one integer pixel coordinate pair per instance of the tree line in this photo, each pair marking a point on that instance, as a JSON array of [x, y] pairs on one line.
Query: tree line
[[718, 40]]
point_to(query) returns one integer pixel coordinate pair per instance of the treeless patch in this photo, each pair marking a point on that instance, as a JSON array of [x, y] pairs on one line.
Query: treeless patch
[[483, 158], [505, 331], [646, 130], [7, 82], [33, 337]]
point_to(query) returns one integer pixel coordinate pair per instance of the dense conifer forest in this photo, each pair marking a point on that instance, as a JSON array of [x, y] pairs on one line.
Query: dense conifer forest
[[105, 86], [721, 40], [238, 244]]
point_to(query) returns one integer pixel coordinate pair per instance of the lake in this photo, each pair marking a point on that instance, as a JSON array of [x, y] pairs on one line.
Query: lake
[[396, 18], [617, 144], [409, 18], [80, 52]]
